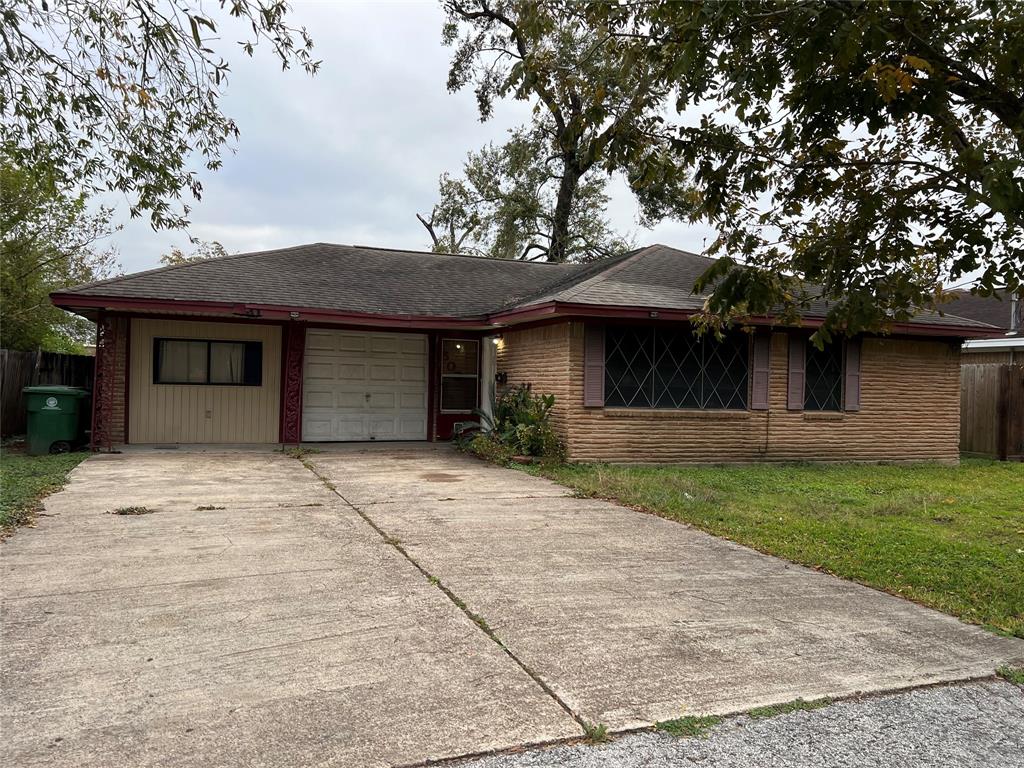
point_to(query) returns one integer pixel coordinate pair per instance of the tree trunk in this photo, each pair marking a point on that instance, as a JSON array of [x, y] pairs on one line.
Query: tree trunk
[[558, 251]]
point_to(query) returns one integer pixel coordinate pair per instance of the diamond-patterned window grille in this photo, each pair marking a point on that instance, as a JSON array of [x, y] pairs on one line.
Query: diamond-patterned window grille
[[823, 390], [664, 368]]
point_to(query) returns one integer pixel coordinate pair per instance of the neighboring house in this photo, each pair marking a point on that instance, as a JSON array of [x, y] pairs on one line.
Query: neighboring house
[[992, 379], [1005, 311], [329, 342]]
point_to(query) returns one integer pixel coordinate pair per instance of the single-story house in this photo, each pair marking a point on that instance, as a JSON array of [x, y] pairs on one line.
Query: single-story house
[[334, 343], [1002, 310]]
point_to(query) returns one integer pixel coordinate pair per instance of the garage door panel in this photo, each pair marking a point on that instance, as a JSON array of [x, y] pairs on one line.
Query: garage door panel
[[413, 345], [383, 400], [384, 373], [413, 374], [317, 429], [365, 386], [412, 426], [384, 344], [318, 398], [350, 342], [412, 400], [351, 372], [319, 370]]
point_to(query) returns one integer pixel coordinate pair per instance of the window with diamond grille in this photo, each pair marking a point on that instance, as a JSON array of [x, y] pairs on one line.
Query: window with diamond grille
[[823, 390], [666, 368]]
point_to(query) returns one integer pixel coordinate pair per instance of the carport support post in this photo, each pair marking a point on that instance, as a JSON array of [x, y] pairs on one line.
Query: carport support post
[[294, 337], [104, 376]]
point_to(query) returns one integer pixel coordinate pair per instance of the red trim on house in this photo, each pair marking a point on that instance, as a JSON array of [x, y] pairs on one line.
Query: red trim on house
[[293, 350]]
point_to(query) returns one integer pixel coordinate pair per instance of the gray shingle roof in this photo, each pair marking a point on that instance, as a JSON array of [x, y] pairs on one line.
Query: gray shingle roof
[[660, 277], [344, 278], [370, 280], [995, 310]]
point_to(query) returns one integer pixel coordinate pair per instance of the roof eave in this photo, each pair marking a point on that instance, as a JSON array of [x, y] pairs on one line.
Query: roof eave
[[554, 309], [75, 302]]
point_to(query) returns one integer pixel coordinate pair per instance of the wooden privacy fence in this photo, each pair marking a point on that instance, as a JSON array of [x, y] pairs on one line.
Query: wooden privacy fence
[[992, 411], [27, 369]]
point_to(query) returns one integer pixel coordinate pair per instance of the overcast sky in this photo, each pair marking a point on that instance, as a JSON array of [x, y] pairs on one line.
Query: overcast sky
[[352, 154]]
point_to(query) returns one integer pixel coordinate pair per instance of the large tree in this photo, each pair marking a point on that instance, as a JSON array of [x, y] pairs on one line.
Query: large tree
[[125, 95], [505, 202], [865, 153], [48, 240], [585, 97]]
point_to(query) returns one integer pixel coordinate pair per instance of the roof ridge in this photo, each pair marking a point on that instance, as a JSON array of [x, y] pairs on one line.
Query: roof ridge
[[458, 255], [586, 272], [612, 269]]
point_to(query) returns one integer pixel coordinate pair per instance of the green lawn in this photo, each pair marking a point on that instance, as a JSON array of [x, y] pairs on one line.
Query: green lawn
[[24, 480], [948, 537]]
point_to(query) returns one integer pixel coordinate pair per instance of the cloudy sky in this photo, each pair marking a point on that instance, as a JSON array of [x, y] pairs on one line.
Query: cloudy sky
[[352, 154]]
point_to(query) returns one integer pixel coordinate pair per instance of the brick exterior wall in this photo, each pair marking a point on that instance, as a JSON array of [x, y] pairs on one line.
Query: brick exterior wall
[[118, 428], [910, 409]]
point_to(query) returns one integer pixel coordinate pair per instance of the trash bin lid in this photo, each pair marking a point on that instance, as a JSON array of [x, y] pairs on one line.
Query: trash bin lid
[[56, 389]]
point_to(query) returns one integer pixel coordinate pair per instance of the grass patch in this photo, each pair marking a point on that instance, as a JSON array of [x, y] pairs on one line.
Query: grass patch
[[596, 733], [299, 452], [949, 537], [133, 511], [689, 726], [25, 480], [797, 705], [1014, 674]]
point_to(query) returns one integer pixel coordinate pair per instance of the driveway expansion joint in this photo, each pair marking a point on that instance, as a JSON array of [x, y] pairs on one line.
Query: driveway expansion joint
[[458, 602]]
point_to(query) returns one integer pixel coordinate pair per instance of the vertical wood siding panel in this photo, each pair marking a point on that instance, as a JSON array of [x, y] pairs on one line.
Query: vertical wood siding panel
[[593, 365], [177, 413], [797, 372]]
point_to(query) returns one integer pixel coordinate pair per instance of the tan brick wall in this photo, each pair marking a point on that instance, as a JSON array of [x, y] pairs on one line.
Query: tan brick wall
[[539, 357], [910, 410]]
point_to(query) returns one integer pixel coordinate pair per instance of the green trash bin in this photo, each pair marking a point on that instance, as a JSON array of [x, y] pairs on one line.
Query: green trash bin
[[56, 418]]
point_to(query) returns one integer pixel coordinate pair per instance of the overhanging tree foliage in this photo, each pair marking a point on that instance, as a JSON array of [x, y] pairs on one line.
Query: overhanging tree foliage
[[123, 94], [505, 202], [865, 153], [48, 241]]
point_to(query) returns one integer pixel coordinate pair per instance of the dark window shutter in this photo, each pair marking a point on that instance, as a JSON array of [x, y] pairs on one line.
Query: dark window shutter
[[593, 366], [851, 375], [253, 362], [762, 354], [797, 372]]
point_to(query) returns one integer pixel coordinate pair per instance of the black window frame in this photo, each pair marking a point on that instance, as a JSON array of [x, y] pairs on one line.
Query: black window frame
[[683, 381], [474, 376], [252, 362], [836, 353]]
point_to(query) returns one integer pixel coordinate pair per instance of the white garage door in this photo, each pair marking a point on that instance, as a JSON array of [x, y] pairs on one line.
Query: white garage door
[[364, 386]]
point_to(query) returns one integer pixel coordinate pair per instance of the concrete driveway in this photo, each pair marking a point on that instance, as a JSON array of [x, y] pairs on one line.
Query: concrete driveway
[[388, 605]]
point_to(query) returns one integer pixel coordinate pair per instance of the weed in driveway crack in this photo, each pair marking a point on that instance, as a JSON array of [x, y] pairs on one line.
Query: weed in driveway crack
[[133, 511], [593, 732]]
